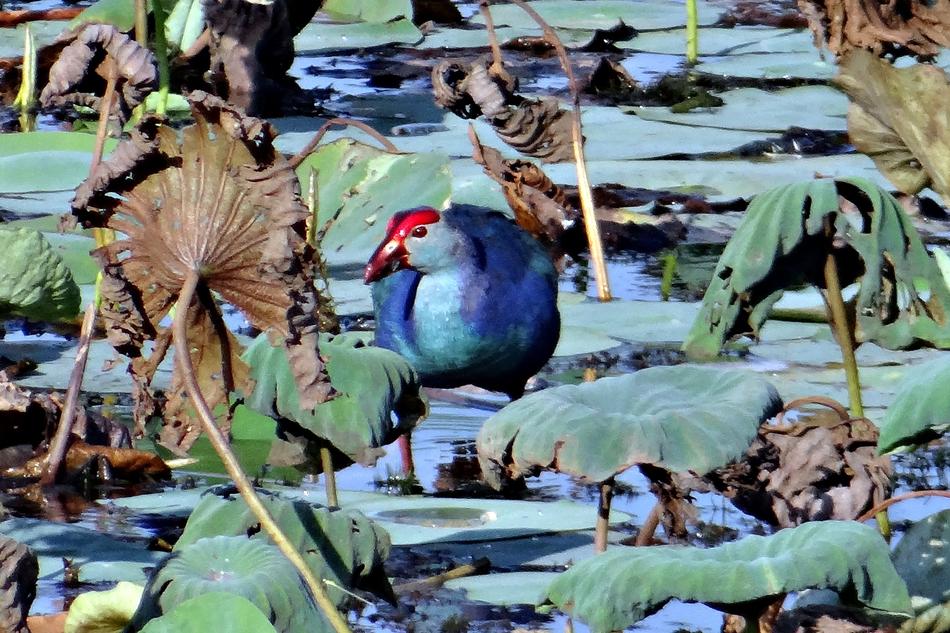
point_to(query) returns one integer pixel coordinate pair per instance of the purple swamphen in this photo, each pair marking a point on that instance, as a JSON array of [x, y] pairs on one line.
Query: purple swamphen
[[466, 296]]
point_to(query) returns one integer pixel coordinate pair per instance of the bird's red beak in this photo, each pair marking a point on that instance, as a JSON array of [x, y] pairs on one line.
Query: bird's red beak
[[389, 257]]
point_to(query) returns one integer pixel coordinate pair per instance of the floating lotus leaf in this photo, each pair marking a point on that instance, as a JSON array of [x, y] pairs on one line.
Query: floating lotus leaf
[[215, 611], [251, 568], [782, 242], [220, 201], [622, 586], [897, 117], [371, 383], [104, 611], [920, 411], [921, 558], [368, 10], [341, 546], [34, 281], [678, 418]]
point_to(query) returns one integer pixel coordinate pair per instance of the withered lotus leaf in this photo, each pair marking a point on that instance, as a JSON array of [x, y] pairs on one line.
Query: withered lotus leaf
[[534, 127], [71, 78], [216, 198]]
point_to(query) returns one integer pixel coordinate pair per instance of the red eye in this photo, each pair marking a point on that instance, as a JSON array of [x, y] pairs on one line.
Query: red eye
[[420, 231]]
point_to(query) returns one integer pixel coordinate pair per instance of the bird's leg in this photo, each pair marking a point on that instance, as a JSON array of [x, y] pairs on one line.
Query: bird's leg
[[405, 453]]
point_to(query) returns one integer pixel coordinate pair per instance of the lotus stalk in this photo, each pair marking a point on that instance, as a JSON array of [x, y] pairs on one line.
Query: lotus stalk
[[580, 162], [57, 449], [838, 316], [603, 515], [692, 32], [230, 460], [326, 459]]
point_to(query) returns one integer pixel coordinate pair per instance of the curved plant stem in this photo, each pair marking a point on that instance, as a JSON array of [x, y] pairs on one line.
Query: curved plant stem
[[887, 503], [692, 32], [57, 449], [577, 139], [103, 236], [299, 157], [230, 461], [603, 515], [497, 65], [831, 403]]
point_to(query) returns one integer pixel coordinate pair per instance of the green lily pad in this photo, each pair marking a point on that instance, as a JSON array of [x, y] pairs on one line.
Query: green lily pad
[[781, 243], [342, 546], [413, 520], [645, 14], [51, 542], [120, 13], [321, 37], [34, 281], [368, 10], [805, 65], [722, 41], [921, 558], [212, 611], [44, 33], [681, 418], [45, 161], [588, 325], [103, 611], [520, 587], [250, 568], [760, 110], [360, 187], [371, 384], [921, 409], [621, 586]]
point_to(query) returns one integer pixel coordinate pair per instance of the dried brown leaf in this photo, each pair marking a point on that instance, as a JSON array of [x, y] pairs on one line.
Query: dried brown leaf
[[898, 117], [816, 469], [539, 205], [18, 573], [221, 201], [126, 463], [71, 77], [883, 27], [538, 128]]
